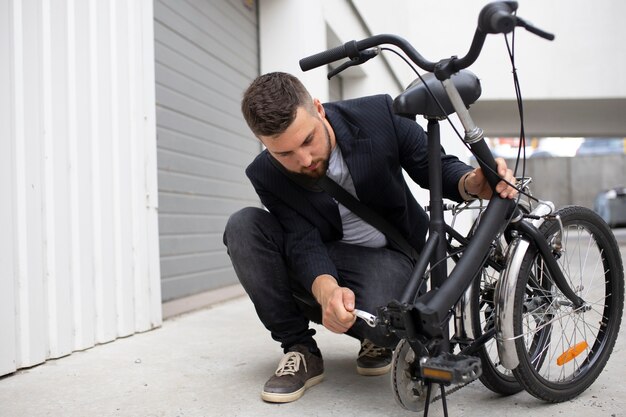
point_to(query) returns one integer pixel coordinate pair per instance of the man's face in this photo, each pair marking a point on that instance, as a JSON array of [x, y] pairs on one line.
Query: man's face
[[304, 148]]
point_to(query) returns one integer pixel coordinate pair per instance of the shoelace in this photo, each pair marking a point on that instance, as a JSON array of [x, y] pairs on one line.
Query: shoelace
[[370, 349], [290, 364]]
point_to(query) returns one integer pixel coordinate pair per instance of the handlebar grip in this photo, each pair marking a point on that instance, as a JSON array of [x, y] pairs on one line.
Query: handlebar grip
[[347, 50], [497, 17], [539, 32]]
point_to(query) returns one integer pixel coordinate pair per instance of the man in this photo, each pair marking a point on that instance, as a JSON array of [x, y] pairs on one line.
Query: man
[[308, 244]]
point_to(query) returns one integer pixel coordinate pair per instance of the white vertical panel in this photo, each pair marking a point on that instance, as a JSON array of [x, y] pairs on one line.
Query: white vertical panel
[[106, 305], [48, 179], [79, 264], [149, 139], [113, 147], [7, 289], [81, 139], [95, 111], [57, 216], [122, 139], [137, 174], [74, 248], [31, 301], [146, 273]]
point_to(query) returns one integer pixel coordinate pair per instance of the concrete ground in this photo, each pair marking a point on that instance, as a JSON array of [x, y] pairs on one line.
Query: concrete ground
[[213, 362]]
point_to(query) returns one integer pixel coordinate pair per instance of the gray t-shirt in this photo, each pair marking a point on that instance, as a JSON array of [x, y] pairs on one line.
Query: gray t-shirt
[[355, 230]]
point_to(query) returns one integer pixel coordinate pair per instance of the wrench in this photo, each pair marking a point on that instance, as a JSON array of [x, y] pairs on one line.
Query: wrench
[[370, 319]]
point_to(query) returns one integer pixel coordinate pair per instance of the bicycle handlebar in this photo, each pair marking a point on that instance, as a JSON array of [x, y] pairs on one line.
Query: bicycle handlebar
[[352, 50], [496, 17]]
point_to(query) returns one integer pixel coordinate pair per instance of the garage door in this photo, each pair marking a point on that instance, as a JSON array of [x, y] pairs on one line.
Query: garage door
[[206, 55]]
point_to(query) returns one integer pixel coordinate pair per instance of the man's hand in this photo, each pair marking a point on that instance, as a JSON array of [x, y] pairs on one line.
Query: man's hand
[[337, 303], [476, 183]]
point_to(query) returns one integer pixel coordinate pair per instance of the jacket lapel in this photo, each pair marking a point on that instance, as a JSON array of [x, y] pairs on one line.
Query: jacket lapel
[[357, 152]]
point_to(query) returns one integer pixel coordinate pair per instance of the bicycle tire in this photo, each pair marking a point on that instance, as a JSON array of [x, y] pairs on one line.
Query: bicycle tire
[[562, 351], [494, 377]]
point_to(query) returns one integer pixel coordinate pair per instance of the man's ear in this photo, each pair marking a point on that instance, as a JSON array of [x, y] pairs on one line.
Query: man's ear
[[319, 108]]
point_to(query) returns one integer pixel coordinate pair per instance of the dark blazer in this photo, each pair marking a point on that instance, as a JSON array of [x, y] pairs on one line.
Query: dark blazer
[[376, 145]]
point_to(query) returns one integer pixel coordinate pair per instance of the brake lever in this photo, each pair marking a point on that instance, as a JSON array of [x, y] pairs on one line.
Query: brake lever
[[363, 57], [535, 30]]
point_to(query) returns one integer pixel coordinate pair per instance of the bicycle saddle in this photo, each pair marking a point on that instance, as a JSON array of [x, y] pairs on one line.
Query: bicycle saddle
[[416, 99]]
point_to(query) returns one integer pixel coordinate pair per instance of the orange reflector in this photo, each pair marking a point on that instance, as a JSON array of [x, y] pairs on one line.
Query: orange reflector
[[437, 374], [571, 353]]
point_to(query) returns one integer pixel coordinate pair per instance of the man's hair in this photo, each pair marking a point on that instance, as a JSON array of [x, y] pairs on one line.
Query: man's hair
[[271, 102]]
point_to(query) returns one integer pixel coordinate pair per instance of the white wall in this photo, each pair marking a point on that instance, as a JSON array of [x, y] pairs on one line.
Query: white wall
[[291, 30], [399, 17], [79, 242], [576, 65]]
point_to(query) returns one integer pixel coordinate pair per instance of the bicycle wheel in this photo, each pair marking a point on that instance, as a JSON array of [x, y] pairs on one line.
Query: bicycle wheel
[[563, 350], [494, 376]]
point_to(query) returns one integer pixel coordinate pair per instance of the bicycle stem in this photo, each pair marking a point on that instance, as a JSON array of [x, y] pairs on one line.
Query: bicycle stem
[[472, 132], [474, 136]]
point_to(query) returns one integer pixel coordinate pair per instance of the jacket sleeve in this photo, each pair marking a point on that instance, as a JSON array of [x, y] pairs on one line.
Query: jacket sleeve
[[305, 252], [413, 153]]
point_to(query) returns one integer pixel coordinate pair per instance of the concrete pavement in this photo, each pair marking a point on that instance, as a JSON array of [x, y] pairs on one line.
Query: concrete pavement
[[213, 362]]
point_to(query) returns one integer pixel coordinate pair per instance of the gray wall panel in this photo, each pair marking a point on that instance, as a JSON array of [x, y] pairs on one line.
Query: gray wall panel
[[177, 122], [181, 142], [198, 205], [194, 283], [206, 55], [186, 244]]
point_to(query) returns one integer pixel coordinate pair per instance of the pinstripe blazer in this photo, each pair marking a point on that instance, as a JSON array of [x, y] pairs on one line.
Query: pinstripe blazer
[[376, 145]]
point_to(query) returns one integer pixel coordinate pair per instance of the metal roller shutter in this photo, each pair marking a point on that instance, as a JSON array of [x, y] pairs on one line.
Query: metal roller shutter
[[206, 54]]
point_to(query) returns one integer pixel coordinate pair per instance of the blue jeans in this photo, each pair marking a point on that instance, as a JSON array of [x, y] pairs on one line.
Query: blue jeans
[[254, 239]]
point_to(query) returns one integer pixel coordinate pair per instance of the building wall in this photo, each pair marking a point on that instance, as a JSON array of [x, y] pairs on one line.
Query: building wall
[[290, 31], [206, 55], [78, 248], [574, 181]]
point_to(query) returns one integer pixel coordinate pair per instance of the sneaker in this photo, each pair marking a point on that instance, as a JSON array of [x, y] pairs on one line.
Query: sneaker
[[298, 370], [373, 360]]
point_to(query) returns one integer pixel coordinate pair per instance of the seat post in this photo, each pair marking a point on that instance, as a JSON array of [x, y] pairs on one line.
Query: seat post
[[437, 224]]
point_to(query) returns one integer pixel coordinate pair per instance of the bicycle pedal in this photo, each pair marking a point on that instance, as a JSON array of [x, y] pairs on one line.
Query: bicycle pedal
[[451, 369]]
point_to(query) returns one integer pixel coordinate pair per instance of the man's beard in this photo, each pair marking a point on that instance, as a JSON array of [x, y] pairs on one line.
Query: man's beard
[[318, 173]]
